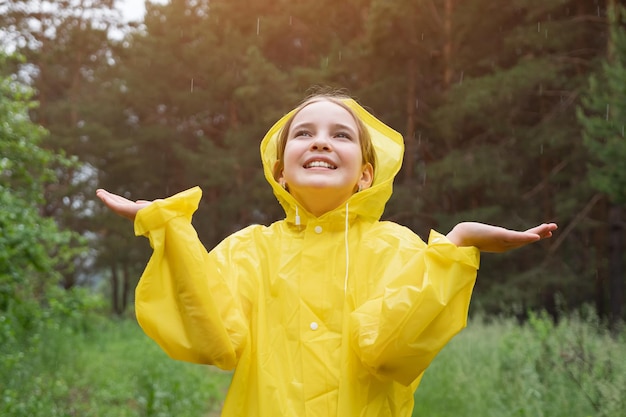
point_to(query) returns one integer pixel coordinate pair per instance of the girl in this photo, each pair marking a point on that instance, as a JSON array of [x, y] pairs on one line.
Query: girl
[[329, 312]]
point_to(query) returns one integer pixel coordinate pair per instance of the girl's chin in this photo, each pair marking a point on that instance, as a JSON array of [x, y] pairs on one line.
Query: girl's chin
[[320, 186]]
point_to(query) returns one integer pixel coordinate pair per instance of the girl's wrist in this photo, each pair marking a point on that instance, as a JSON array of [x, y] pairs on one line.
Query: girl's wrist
[[456, 235]]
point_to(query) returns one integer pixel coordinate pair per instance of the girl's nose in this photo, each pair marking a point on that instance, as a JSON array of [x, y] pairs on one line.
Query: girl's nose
[[320, 143]]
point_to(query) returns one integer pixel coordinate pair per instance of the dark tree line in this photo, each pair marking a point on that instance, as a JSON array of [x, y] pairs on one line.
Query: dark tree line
[[512, 114]]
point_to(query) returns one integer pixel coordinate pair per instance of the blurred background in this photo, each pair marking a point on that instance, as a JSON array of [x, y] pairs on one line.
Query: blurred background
[[513, 114]]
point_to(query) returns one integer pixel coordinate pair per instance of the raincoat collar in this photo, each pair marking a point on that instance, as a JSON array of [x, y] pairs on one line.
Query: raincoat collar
[[369, 203]]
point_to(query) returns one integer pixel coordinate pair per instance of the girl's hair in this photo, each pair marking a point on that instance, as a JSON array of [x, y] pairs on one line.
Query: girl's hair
[[365, 140]]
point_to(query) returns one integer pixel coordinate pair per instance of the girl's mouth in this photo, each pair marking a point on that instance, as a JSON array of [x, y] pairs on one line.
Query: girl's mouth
[[319, 164]]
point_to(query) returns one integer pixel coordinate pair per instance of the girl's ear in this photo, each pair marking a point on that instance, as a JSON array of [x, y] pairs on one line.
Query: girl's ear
[[367, 176], [278, 173]]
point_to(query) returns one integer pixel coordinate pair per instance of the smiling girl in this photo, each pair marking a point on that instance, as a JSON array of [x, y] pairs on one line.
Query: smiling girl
[[329, 312]]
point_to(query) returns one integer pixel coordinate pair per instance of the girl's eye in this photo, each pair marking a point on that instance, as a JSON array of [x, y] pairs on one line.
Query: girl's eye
[[301, 133], [343, 135]]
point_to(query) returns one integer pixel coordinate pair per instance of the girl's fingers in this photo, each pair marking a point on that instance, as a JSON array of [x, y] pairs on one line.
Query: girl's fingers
[[546, 228]]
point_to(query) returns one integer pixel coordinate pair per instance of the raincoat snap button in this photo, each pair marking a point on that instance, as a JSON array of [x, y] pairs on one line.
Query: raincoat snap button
[[318, 229], [314, 325]]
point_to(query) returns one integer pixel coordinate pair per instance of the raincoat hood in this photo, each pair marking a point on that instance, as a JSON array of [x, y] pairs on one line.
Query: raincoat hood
[[369, 203]]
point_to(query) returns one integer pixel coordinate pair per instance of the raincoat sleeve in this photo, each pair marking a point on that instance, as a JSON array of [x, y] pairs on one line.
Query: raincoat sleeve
[[398, 333], [183, 300]]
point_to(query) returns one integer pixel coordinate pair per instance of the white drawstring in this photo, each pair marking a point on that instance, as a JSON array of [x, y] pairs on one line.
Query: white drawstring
[[345, 234], [297, 217]]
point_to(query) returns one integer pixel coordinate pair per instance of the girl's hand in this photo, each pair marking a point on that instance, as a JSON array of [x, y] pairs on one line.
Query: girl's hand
[[489, 238], [120, 205]]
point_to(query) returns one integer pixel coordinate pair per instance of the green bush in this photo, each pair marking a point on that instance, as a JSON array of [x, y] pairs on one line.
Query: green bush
[[111, 370], [571, 369], [34, 251]]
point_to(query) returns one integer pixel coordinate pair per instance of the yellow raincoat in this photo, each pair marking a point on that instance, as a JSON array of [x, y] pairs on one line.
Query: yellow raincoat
[[338, 315]]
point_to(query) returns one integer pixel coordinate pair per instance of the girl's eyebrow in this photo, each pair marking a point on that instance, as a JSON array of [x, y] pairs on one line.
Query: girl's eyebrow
[[346, 127], [302, 125], [309, 125]]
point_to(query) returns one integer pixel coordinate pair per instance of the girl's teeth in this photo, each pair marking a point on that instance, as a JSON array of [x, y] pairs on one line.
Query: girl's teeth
[[319, 164]]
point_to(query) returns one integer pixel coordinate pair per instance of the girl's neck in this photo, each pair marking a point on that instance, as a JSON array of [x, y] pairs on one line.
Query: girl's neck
[[320, 201]]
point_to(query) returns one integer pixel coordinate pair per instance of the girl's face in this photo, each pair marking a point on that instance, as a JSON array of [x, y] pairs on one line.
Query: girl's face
[[323, 163]]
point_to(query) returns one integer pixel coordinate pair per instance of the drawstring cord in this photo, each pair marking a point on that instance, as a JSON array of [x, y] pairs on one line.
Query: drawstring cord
[[297, 217], [345, 234]]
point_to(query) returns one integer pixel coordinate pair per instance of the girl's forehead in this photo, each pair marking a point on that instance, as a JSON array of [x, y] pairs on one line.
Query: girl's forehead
[[324, 111]]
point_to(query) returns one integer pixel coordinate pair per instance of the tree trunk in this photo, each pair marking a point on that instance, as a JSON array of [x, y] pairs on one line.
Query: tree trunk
[[125, 289], [115, 290], [616, 265], [447, 46], [410, 141], [600, 241], [616, 225]]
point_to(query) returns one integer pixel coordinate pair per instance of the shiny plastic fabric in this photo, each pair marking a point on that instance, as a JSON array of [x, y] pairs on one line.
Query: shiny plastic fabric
[[337, 316]]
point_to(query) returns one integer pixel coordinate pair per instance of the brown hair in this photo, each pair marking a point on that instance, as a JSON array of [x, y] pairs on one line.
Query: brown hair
[[365, 140]]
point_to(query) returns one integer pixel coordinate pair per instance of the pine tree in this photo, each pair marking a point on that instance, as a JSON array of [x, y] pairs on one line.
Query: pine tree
[[506, 150], [603, 116]]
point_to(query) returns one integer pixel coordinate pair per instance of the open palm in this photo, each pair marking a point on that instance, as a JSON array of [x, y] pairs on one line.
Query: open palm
[[120, 205], [489, 238]]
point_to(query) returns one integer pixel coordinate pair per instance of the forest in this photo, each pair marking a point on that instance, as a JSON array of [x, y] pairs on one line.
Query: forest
[[512, 114]]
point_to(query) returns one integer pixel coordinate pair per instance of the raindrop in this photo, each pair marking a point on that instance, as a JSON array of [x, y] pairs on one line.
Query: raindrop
[[546, 33], [541, 89], [541, 149], [461, 79], [538, 27], [290, 20], [258, 25], [622, 130], [192, 85], [422, 35], [340, 55], [608, 108], [417, 103]]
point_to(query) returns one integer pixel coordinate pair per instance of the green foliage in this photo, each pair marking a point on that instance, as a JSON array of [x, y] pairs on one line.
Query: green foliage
[[486, 95], [110, 369], [576, 358], [603, 116], [504, 145], [34, 252], [23, 164], [571, 369]]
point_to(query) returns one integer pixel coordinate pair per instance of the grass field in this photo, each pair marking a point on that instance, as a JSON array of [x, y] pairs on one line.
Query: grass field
[[113, 370], [499, 369]]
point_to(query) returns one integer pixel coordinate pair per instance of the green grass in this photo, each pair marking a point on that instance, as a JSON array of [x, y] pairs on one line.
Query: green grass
[[111, 370], [573, 369]]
